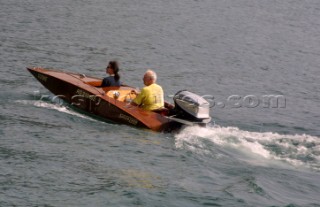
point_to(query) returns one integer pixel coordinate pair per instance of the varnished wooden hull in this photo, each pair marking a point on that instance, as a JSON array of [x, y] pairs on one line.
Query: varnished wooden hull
[[80, 91]]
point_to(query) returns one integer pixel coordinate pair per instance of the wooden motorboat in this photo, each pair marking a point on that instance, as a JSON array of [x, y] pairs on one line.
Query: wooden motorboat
[[113, 103]]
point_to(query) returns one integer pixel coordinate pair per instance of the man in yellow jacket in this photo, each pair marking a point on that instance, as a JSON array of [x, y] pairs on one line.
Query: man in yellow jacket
[[151, 96]]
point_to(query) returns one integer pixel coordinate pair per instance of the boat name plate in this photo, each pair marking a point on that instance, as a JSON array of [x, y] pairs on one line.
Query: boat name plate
[[42, 77], [129, 119]]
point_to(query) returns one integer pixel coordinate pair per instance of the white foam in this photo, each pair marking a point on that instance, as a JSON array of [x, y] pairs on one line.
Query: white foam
[[294, 149], [54, 106]]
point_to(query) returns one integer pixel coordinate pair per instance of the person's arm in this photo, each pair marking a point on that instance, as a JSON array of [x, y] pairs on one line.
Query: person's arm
[[138, 101]]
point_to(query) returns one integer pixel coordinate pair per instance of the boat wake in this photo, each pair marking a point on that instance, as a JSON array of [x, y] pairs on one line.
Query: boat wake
[[54, 106], [259, 148]]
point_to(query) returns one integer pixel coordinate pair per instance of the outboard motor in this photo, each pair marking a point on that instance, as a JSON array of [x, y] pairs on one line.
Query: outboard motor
[[191, 107]]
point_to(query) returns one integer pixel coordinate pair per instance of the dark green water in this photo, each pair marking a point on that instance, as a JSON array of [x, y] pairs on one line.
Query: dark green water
[[236, 53]]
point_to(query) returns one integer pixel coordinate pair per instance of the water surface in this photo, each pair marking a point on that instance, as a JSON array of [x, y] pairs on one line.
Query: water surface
[[51, 155]]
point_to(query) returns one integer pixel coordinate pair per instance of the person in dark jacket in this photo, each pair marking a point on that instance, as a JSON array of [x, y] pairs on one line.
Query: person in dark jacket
[[114, 78]]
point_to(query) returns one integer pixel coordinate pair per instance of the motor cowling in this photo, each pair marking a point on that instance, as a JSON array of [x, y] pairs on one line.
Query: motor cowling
[[191, 106]]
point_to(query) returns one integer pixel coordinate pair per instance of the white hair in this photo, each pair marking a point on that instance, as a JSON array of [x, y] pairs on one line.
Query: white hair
[[151, 74]]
